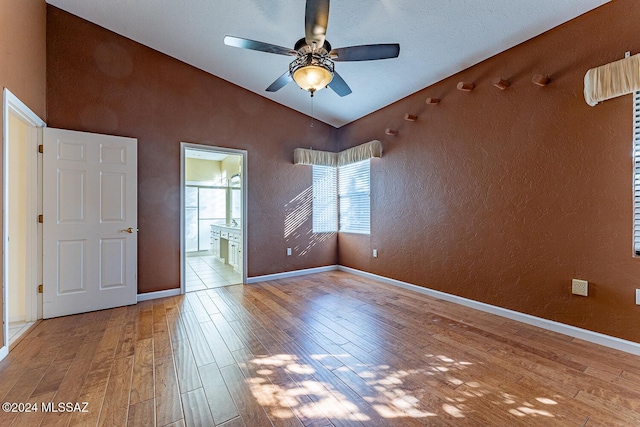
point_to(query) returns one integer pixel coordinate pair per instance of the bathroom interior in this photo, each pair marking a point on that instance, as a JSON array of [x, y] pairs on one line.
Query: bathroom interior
[[213, 219]]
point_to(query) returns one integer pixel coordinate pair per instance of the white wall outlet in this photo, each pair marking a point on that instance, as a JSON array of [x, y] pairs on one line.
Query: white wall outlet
[[638, 296], [375, 253], [580, 287], [288, 251]]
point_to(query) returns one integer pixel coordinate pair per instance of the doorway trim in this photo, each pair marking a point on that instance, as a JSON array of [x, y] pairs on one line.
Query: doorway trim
[[184, 146], [13, 105]]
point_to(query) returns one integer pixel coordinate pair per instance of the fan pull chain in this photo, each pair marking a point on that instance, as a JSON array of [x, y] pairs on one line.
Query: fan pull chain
[[311, 109]]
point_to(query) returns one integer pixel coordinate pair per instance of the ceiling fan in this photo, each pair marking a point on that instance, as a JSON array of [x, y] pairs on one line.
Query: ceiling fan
[[313, 68]]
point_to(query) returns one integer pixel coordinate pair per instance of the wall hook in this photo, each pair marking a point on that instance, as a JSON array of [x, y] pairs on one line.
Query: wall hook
[[501, 83], [540, 80], [465, 86]]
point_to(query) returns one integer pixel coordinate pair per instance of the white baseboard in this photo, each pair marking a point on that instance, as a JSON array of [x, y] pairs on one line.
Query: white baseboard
[[294, 273], [4, 351], [158, 294], [572, 331]]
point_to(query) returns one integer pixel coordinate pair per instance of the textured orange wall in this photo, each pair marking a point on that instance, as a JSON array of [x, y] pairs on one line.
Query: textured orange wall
[[22, 58], [98, 81], [23, 51], [505, 196]]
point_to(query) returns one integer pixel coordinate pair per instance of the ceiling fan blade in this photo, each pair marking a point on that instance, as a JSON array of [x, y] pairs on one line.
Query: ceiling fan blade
[[281, 82], [259, 46], [367, 52], [316, 20], [339, 86]]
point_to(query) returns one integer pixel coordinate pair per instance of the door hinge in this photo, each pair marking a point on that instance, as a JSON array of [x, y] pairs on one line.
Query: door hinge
[[39, 289], [40, 219], [40, 148]]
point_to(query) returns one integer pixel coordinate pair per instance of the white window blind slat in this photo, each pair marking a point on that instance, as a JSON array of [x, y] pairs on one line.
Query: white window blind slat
[[353, 197], [636, 181], [325, 199], [341, 199]]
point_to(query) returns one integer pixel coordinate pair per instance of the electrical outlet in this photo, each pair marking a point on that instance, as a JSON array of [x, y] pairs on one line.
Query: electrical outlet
[[580, 287], [288, 251], [375, 253], [638, 296]]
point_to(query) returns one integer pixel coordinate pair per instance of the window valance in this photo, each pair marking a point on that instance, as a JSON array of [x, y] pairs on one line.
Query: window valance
[[612, 80], [368, 150]]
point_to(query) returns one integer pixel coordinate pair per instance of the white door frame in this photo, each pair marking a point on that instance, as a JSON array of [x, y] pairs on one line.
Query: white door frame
[[12, 105], [243, 177]]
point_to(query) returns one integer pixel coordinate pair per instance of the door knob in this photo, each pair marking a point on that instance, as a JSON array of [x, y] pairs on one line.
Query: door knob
[[129, 230]]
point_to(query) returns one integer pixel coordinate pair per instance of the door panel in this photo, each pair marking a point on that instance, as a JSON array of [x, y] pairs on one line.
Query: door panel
[[71, 262], [114, 255], [90, 222], [71, 201], [112, 197]]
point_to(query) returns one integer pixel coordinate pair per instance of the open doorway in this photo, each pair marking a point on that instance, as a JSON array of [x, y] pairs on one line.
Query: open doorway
[[213, 217], [22, 259]]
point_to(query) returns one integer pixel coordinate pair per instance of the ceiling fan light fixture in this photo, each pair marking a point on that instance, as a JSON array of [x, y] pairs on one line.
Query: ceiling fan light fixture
[[312, 72], [313, 69], [312, 77]]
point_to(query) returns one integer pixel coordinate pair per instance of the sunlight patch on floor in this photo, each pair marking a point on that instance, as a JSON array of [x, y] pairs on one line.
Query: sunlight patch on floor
[[392, 393]]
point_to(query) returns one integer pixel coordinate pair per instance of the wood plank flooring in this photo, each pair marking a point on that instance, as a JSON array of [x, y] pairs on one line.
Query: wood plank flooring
[[319, 350]]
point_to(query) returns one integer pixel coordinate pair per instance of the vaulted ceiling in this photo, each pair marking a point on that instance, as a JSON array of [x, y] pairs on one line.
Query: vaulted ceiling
[[437, 39]]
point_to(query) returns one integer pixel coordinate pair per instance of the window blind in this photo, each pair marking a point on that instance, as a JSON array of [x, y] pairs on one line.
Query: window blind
[[353, 197], [636, 173], [325, 199]]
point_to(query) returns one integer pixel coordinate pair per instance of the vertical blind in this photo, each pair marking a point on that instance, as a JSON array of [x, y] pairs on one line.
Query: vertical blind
[[636, 173], [353, 197], [325, 199]]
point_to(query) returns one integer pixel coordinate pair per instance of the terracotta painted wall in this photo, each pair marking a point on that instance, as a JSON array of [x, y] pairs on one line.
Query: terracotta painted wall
[[22, 58], [98, 81], [505, 196]]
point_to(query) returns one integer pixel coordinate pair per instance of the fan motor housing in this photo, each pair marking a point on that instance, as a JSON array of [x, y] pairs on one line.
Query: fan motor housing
[[304, 49]]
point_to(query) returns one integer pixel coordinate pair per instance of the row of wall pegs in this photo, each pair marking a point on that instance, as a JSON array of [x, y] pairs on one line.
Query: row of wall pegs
[[538, 79]]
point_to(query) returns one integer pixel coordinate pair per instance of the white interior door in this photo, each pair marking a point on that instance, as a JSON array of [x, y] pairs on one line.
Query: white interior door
[[90, 222]]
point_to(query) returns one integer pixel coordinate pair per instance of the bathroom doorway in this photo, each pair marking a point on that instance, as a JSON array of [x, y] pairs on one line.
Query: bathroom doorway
[[213, 217]]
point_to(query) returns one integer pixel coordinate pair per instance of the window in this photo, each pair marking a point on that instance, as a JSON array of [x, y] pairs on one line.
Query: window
[[353, 197], [325, 199], [236, 204], [341, 198], [636, 173]]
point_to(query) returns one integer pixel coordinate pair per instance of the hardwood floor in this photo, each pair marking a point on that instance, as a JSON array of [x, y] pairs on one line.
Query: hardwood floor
[[320, 350]]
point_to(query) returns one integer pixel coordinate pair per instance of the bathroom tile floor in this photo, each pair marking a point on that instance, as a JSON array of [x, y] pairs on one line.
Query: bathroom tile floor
[[204, 271]]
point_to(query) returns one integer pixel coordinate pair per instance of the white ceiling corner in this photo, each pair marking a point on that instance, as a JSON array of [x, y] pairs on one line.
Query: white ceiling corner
[[437, 39]]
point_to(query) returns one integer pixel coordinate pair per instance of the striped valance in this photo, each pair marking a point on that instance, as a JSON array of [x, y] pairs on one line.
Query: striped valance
[[612, 80], [304, 156]]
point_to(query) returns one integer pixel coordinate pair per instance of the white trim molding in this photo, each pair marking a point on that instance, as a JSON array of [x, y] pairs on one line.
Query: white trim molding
[[177, 291], [158, 294], [11, 105], [294, 273], [572, 331]]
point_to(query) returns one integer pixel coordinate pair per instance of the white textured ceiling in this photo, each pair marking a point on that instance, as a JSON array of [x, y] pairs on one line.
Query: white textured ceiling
[[438, 38]]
